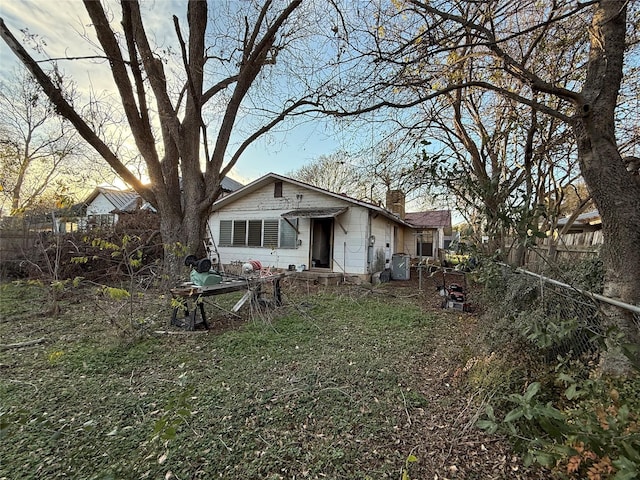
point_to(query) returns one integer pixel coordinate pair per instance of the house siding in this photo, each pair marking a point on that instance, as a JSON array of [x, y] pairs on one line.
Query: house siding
[[100, 206], [99, 213], [349, 249]]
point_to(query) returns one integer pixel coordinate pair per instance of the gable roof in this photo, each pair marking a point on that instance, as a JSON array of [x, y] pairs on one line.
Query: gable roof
[[271, 177], [430, 219], [129, 200], [120, 199], [229, 184]]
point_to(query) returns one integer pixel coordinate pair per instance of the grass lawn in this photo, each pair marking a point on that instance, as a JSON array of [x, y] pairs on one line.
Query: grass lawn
[[338, 383]]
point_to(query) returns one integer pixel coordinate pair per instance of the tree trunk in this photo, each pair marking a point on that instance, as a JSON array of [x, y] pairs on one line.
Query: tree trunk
[[182, 235], [619, 204], [613, 189]]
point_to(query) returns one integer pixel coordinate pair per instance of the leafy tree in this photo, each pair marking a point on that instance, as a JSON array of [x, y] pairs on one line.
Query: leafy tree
[[192, 102]]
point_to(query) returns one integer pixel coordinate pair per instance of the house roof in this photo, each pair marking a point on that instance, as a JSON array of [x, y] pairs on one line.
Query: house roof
[[230, 185], [429, 219], [120, 199], [587, 218], [329, 212], [128, 200], [270, 177]]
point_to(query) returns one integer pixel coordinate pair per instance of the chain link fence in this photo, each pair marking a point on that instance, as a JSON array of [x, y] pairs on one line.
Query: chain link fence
[[560, 319]]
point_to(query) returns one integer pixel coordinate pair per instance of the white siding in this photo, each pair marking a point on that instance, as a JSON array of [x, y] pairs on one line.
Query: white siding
[[100, 206], [382, 230], [349, 249]]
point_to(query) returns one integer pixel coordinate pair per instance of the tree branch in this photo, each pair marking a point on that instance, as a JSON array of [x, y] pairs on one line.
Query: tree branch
[[67, 111]]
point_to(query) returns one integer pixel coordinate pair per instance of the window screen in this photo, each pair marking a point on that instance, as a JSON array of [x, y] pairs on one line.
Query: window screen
[[270, 233], [270, 239], [254, 239], [288, 234], [239, 233]]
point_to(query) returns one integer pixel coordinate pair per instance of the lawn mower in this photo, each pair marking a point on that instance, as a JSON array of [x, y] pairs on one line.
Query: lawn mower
[[453, 295]]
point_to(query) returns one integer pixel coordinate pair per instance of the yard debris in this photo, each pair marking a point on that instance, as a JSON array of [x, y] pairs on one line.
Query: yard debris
[[28, 343]]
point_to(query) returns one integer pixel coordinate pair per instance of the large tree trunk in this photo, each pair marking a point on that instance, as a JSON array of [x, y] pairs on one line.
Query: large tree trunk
[[619, 204], [613, 189], [182, 228], [169, 130]]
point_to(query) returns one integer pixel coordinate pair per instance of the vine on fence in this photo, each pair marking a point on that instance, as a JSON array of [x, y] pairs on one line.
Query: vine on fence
[[568, 418]]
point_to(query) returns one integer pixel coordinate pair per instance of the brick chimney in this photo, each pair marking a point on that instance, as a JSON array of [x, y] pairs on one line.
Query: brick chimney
[[395, 202]]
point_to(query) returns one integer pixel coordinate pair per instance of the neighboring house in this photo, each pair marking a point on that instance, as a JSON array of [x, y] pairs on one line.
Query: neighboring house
[[102, 208], [281, 222], [104, 205], [99, 210], [585, 222], [229, 185]]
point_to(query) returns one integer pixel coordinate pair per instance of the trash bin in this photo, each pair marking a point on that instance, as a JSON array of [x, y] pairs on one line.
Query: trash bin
[[400, 266]]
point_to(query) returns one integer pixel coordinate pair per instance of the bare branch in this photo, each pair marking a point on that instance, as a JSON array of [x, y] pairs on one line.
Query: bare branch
[[66, 110]]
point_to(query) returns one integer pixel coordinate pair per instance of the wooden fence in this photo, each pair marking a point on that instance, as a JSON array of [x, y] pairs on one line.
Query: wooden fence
[[20, 238], [567, 247]]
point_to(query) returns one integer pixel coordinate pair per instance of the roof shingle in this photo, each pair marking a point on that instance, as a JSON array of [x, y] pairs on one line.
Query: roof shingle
[[429, 219]]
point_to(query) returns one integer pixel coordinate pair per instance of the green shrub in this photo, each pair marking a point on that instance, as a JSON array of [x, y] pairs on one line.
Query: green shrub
[[589, 431], [564, 417]]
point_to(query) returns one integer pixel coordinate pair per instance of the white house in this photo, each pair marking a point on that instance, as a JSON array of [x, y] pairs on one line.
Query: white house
[[280, 222], [104, 205]]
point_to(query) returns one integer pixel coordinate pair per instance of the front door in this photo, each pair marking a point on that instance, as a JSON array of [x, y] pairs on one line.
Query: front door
[[321, 242]]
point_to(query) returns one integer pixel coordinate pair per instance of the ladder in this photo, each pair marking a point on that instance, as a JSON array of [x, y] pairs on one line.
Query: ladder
[[212, 250]]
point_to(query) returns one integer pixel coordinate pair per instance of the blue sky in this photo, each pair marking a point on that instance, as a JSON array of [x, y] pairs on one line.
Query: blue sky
[[286, 151], [61, 25]]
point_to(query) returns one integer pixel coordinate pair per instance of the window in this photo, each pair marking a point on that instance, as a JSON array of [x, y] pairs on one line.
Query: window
[[239, 233], [271, 233], [270, 239], [226, 227], [277, 190], [288, 234], [254, 239]]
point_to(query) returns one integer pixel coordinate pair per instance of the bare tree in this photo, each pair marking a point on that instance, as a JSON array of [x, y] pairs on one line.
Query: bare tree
[[335, 172], [184, 117], [39, 149], [503, 164], [565, 60]]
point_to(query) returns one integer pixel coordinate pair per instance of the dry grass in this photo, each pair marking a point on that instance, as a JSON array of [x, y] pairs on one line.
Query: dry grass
[[338, 383]]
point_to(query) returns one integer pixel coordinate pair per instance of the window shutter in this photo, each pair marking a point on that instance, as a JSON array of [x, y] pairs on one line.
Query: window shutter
[[225, 232], [254, 239], [270, 239], [239, 233]]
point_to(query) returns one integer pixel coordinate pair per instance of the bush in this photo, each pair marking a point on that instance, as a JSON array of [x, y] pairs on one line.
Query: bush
[[564, 416], [100, 255]]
